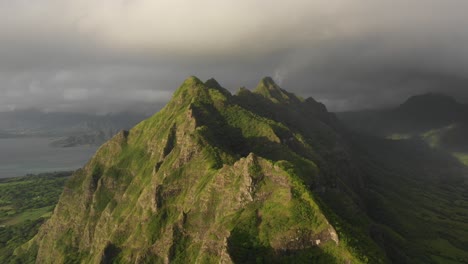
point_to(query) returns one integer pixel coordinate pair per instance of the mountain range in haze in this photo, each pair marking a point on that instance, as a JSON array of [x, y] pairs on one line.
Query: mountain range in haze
[[437, 119], [69, 129]]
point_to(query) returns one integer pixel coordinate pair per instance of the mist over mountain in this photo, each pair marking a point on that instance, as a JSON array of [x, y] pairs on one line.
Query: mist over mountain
[[114, 56]]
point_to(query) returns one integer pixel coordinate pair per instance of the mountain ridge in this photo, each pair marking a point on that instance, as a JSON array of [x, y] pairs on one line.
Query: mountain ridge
[[194, 135], [215, 177]]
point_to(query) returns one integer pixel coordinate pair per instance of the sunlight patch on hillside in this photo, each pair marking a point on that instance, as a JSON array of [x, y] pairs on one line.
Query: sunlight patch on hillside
[[462, 157], [397, 136]]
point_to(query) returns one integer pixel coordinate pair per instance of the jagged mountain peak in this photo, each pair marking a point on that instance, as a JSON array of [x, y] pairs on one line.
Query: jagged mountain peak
[[270, 90], [213, 83], [266, 86], [192, 80], [194, 90], [268, 81], [189, 86]]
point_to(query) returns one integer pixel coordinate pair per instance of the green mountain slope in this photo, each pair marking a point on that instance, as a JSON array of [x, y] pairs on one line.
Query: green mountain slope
[[204, 180], [262, 176]]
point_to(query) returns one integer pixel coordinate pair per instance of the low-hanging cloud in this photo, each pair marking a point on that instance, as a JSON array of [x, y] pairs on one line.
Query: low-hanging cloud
[[109, 55]]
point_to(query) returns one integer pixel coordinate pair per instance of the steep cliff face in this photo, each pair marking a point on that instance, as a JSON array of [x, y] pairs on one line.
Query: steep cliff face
[[212, 177]]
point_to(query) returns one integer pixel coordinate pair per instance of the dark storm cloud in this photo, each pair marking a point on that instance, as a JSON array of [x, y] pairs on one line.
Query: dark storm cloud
[[112, 55]]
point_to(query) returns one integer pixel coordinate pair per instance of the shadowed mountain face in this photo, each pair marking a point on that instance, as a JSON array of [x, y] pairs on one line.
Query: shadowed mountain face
[[430, 111], [262, 176], [417, 114]]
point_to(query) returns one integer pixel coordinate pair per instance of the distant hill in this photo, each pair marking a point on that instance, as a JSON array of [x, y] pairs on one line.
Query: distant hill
[[436, 118], [73, 128], [417, 114], [261, 176]]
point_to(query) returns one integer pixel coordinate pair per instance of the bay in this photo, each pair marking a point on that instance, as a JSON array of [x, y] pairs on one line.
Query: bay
[[32, 155]]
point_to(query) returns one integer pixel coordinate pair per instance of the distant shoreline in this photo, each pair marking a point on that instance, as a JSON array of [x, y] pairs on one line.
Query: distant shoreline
[[65, 173]]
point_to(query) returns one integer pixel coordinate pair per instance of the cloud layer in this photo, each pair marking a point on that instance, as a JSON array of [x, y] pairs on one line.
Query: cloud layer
[[110, 55]]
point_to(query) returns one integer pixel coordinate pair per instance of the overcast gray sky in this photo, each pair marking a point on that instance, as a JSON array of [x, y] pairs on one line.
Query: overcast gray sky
[[114, 55]]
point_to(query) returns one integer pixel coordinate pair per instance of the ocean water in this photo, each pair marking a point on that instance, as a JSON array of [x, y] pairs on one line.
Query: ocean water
[[21, 156]]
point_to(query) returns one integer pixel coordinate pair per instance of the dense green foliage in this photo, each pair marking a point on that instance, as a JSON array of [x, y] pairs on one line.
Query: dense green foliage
[[417, 197], [25, 203]]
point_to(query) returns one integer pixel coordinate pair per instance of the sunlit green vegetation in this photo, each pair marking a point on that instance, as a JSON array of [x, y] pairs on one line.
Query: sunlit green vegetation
[[257, 177], [25, 203], [462, 157], [397, 136]]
